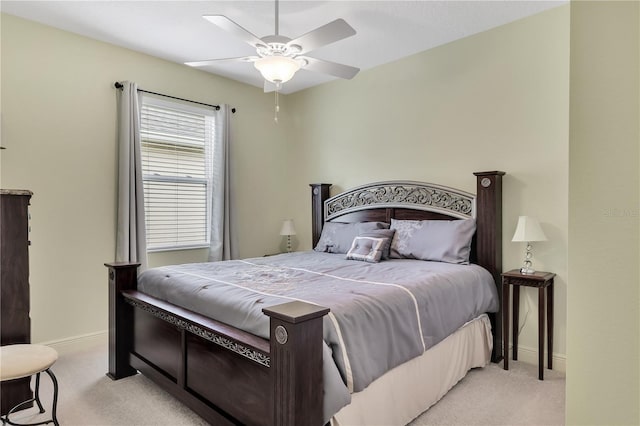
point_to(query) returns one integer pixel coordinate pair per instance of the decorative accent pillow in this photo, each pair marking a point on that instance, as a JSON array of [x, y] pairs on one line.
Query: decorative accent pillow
[[438, 240], [337, 237], [368, 249], [382, 233]]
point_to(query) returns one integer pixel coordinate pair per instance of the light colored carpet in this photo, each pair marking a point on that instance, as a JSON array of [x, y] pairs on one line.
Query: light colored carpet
[[488, 396], [493, 396]]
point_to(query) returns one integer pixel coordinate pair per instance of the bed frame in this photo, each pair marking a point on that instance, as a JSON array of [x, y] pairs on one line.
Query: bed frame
[[229, 376]]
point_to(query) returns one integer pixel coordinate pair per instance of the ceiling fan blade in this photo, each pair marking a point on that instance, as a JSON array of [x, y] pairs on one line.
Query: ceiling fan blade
[[214, 61], [321, 36], [235, 29], [331, 68]]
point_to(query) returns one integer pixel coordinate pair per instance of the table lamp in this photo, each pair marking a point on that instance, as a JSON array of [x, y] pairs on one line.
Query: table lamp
[[288, 229], [528, 230]]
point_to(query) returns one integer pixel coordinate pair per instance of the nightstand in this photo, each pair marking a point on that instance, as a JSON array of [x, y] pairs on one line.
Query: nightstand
[[542, 281]]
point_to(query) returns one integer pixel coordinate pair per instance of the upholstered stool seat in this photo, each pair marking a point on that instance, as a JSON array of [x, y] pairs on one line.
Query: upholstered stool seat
[[25, 360]]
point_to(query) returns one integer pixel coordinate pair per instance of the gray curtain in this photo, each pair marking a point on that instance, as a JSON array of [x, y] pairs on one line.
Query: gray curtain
[[131, 245], [222, 246]]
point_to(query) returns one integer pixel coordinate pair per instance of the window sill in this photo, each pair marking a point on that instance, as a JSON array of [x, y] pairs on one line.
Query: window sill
[[180, 248]]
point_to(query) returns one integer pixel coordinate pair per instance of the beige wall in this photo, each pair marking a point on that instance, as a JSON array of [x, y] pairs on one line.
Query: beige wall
[[497, 100], [603, 377], [59, 127], [494, 101]]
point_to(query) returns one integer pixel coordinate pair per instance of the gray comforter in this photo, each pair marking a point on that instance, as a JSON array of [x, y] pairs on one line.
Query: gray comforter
[[382, 314]]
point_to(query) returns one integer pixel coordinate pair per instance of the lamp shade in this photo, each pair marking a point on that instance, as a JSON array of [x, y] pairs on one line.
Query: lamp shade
[[288, 228], [277, 69], [528, 229]]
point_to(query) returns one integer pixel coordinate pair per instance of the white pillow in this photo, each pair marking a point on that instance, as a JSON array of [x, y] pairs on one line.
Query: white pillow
[[368, 249]]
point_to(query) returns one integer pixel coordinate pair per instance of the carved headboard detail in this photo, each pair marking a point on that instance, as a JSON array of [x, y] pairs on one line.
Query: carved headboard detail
[[402, 194]]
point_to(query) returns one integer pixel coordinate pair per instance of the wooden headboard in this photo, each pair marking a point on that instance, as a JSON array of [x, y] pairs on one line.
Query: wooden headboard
[[408, 200]]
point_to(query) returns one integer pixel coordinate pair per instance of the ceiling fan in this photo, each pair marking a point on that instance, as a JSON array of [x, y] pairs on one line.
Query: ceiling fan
[[278, 58]]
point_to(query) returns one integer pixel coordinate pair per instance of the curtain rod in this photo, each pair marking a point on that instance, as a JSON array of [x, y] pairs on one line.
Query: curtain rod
[[119, 85]]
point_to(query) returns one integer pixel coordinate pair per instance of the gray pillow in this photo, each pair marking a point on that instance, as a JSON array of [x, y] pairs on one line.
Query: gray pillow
[[387, 234], [438, 240], [368, 249], [337, 237]]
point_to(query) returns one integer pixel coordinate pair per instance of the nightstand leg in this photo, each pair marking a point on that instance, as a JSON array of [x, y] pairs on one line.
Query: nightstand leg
[[550, 326], [541, 307], [516, 320], [505, 323]]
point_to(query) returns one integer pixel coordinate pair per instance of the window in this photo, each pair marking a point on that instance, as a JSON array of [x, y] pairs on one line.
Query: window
[[176, 148]]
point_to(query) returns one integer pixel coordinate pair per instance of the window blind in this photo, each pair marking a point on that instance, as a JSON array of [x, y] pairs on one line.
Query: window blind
[[176, 144]]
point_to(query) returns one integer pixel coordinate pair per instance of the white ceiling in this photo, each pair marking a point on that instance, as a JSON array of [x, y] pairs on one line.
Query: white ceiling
[[175, 30]]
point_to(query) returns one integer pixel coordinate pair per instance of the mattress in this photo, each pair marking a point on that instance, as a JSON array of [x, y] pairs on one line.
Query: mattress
[[382, 314]]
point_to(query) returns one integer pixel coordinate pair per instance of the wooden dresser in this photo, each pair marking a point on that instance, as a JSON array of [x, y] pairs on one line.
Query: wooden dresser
[[15, 324]]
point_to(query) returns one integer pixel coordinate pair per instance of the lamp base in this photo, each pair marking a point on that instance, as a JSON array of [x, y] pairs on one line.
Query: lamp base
[[526, 266]]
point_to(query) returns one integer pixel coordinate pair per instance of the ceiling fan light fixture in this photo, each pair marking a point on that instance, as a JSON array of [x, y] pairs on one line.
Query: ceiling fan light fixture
[[277, 69]]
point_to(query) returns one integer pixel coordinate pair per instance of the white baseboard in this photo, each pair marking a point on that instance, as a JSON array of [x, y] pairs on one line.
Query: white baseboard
[[79, 343], [530, 356]]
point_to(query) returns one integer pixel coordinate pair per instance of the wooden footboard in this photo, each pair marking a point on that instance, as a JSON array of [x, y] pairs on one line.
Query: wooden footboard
[[225, 375]]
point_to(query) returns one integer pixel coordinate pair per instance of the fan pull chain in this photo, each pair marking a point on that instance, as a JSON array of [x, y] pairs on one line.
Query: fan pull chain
[[277, 104]]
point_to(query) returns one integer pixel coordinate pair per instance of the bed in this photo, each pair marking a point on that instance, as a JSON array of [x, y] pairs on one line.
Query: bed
[[286, 359]]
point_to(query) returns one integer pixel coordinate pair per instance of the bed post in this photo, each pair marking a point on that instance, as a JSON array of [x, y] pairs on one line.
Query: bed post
[[296, 363], [489, 241], [122, 276], [319, 193]]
